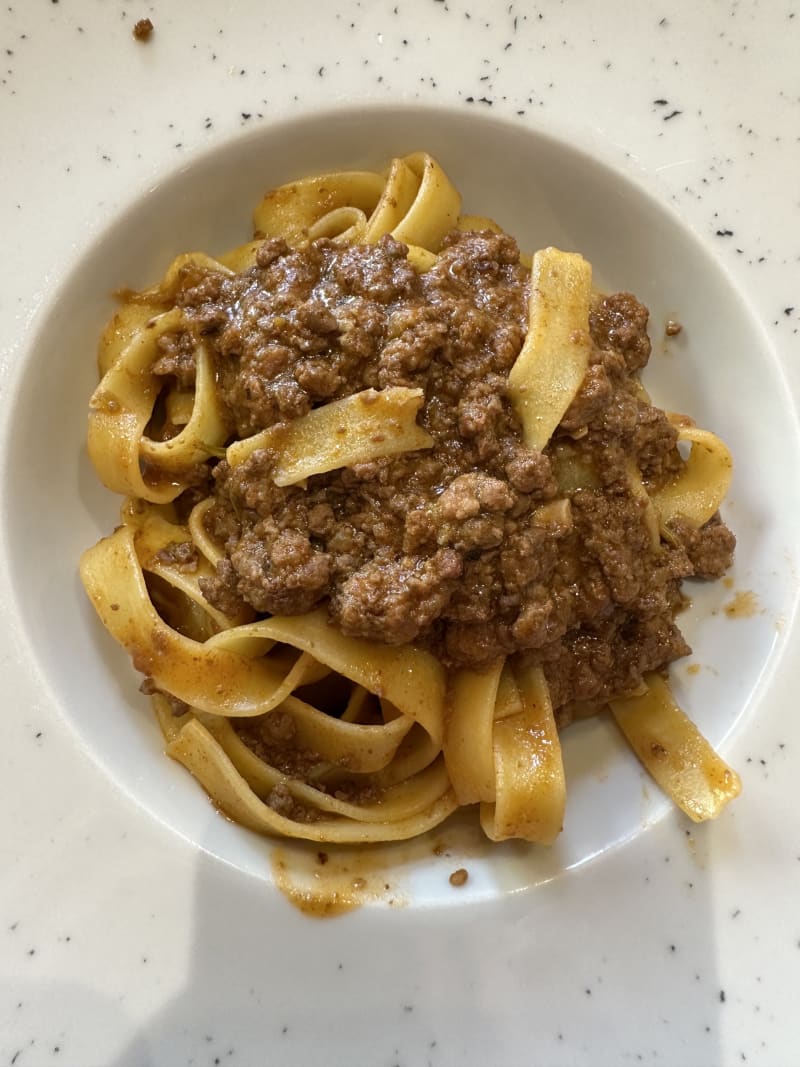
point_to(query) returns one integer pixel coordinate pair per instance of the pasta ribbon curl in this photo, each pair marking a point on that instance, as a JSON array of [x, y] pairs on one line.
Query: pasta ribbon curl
[[502, 750], [415, 202]]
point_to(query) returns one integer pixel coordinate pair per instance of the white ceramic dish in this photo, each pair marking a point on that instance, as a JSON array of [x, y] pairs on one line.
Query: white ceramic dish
[[542, 954]]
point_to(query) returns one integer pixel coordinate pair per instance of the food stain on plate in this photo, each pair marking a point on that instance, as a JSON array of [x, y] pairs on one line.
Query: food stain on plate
[[327, 882], [324, 883], [744, 605]]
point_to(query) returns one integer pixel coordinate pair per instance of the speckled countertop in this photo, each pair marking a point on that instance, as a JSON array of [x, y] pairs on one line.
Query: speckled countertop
[[123, 944]]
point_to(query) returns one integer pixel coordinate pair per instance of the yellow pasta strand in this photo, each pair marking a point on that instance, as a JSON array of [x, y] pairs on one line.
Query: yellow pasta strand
[[553, 361], [674, 751], [410, 678], [202, 754], [122, 406], [435, 208], [698, 491], [356, 429], [291, 210], [208, 678], [468, 739], [530, 791]]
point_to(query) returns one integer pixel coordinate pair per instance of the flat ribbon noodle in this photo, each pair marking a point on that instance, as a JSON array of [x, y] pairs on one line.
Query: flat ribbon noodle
[[554, 358], [468, 739], [203, 542], [698, 491], [201, 753], [154, 533], [530, 790], [242, 257], [400, 191], [292, 209], [355, 429], [127, 323], [502, 750], [212, 679], [122, 406], [410, 678], [410, 795], [361, 747], [415, 202], [435, 209], [674, 751]]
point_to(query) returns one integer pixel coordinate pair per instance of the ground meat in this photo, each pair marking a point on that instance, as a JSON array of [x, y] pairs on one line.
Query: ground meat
[[220, 591], [143, 30], [591, 400], [177, 358], [393, 600], [283, 803], [279, 572], [469, 547], [710, 549], [619, 323], [180, 554], [593, 668]]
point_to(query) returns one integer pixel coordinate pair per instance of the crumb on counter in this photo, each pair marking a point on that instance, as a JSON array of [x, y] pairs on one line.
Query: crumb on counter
[[672, 328], [143, 30], [459, 877]]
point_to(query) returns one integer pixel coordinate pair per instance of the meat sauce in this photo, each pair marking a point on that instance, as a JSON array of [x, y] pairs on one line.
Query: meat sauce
[[472, 548]]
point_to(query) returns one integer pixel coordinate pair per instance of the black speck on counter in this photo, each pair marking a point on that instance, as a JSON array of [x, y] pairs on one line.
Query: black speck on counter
[[671, 115], [724, 233], [787, 311], [661, 102], [247, 115], [722, 996]]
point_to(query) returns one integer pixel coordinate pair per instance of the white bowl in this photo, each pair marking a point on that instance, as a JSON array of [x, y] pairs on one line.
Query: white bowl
[[543, 191]]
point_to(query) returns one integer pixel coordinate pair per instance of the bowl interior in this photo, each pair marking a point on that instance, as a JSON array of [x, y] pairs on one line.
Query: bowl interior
[[544, 191]]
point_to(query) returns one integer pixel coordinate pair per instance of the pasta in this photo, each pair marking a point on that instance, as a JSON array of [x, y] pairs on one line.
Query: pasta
[[379, 480]]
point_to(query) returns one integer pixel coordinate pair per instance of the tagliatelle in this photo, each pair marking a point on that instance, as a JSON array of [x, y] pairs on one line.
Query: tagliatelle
[[293, 727], [555, 356], [697, 492], [675, 752], [356, 429]]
